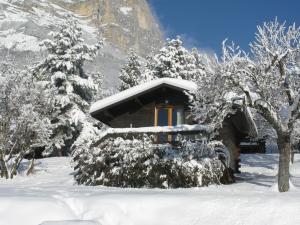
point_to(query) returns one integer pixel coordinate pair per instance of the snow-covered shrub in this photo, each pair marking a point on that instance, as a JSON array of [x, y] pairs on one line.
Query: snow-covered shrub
[[137, 162]]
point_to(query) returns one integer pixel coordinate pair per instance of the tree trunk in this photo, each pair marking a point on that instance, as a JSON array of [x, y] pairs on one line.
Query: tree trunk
[[16, 165], [31, 167], [284, 145], [3, 167]]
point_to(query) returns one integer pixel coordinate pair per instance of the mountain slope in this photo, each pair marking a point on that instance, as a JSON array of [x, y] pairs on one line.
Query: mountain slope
[[123, 23]]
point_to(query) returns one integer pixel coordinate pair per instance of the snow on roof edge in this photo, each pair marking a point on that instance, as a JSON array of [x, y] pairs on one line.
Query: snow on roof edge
[[123, 95]]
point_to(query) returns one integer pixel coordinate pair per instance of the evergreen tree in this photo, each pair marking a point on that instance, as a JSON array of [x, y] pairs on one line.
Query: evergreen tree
[[131, 74], [174, 61], [68, 86]]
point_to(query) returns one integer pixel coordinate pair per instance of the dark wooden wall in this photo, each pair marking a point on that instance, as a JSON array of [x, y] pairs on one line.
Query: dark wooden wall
[[144, 117], [140, 111]]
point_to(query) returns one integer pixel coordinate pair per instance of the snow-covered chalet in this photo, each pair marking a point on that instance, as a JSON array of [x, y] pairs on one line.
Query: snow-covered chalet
[[162, 107]]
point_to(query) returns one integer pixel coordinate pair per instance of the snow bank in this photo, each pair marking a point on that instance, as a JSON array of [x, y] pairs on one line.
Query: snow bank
[[27, 209], [11, 39], [70, 222], [49, 195]]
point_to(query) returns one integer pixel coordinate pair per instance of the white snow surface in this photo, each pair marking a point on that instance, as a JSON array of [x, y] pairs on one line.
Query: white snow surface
[[15, 23], [70, 222], [123, 95], [11, 39], [50, 197], [125, 10]]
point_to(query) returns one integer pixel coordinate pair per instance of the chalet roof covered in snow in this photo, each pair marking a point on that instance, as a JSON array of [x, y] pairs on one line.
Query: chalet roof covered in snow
[[133, 92]]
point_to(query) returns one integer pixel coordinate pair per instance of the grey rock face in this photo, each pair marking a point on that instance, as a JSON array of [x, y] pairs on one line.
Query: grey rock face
[[124, 24]]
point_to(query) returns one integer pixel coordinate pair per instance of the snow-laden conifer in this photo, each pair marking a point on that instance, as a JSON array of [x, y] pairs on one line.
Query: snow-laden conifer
[[69, 87], [174, 61], [131, 72]]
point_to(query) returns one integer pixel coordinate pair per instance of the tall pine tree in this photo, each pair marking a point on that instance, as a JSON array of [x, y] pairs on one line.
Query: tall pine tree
[[68, 86], [131, 74], [174, 61]]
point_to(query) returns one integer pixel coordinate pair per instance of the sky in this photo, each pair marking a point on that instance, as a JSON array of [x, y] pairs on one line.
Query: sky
[[206, 23]]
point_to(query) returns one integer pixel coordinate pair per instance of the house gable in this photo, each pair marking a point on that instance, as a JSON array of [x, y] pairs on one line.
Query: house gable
[[135, 106]]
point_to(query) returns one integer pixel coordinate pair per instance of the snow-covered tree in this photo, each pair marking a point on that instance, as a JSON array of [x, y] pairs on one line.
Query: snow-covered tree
[[23, 122], [148, 73], [97, 78], [265, 132], [131, 72], [174, 61], [69, 87], [210, 104], [295, 140], [268, 81]]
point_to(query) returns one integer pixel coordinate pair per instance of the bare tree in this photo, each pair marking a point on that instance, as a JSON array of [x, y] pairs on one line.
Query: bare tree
[[266, 80], [22, 123]]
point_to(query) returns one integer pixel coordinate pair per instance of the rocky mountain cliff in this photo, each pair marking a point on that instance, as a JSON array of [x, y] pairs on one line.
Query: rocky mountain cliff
[[123, 23]]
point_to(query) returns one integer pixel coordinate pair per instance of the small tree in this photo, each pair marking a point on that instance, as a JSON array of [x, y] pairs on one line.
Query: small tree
[[23, 125], [69, 87], [174, 61], [267, 81], [131, 73]]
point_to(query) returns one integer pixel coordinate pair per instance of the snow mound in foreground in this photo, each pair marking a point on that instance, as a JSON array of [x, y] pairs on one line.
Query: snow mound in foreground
[[70, 222], [50, 195]]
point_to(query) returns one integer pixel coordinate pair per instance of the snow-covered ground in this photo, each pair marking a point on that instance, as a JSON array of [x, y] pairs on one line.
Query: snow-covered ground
[[51, 195]]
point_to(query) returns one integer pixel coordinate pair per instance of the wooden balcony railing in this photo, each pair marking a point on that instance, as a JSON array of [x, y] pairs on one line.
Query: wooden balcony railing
[[183, 129]]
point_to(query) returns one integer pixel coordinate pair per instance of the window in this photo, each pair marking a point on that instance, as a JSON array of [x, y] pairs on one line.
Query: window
[[168, 116]]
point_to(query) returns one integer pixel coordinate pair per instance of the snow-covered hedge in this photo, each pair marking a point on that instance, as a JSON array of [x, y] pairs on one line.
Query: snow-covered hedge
[[140, 163]]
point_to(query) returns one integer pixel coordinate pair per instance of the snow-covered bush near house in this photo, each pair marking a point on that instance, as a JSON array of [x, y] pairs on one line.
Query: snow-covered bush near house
[[137, 162], [69, 88]]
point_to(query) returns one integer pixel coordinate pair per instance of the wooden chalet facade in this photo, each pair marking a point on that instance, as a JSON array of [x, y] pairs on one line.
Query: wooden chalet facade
[[162, 107]]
